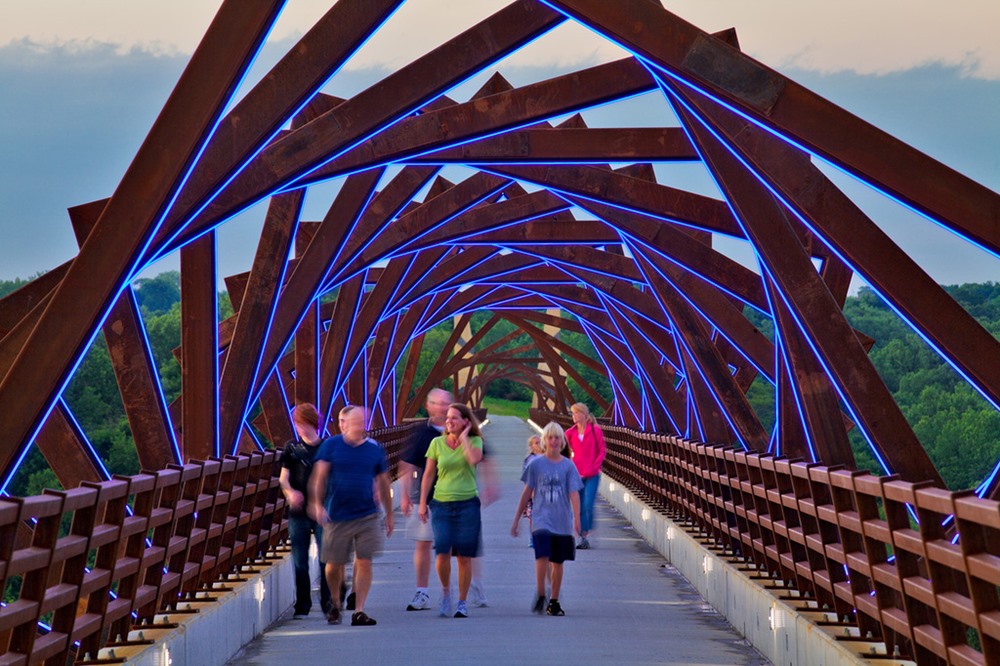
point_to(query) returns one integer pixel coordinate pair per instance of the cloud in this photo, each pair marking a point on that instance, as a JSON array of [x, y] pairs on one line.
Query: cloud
[[852, 35]]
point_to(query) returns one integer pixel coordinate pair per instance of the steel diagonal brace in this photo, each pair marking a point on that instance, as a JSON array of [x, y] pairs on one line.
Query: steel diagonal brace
[[371, 111], [698, 60], [923, 303], [815, 310], [258, 116], [116, 247]]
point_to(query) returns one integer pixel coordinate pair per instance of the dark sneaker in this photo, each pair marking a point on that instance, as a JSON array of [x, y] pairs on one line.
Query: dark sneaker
[[333, 616], [539, 606], [554, 608], [462, 610], [298, 614], [583, 545], [360, 619], [351, 601]]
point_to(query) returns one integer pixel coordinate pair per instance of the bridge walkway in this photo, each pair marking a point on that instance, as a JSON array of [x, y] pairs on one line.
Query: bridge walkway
[[624, 603]]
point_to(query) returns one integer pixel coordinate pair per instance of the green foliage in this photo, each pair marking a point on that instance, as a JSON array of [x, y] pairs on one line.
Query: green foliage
[[501, 407]]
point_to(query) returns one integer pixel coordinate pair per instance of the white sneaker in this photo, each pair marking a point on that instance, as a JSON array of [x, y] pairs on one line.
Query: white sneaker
[[478, 596], [421, 601]]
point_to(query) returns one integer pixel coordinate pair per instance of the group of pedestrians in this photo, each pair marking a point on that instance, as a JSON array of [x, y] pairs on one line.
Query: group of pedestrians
[[333, 487]]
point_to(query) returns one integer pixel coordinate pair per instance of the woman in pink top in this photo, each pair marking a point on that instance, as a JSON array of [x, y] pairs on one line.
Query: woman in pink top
[[586, 441]]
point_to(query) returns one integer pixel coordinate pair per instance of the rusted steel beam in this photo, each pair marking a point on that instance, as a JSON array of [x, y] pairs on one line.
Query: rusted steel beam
[[276, 411], [778, 102], [712, 368], [281, 92], [114, 249], [135, 368], [302, 285], [467, 226], [470, 192], [569, 146], [377, 220], [664, 404], [371, 111], [200, 350], [334, 372], [17, 304], [816, 398], [663, 203], [815, 310], [307, 356], [547, 230], [257, 308], [61, 442], [490, 114], [839, 222]]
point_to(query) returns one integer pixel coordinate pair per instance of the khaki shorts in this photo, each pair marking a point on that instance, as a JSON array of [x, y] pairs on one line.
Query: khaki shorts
[[417, 530], [363, 535]]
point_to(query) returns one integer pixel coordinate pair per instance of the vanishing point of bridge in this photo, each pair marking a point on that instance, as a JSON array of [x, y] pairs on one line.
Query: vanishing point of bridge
[[456, 193]]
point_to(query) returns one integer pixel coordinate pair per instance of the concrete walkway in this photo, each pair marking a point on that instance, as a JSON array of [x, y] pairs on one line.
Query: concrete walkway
[[623, 603]]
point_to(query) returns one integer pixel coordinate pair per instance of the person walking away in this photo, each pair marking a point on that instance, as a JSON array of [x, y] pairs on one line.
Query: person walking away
[[347, 469], [553, 485], [413, 462], [454, 511], [296, 466], [586, 441]]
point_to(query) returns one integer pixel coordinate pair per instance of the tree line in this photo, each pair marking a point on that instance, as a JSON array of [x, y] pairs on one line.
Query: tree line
[[959, 429]]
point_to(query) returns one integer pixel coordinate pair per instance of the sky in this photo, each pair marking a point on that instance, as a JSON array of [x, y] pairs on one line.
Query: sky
[[81, 84]]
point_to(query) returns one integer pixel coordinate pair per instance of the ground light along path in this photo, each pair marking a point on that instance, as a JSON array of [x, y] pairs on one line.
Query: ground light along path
[[624, 604]]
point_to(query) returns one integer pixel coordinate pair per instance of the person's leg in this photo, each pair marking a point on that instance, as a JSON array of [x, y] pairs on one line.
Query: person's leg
[[589, 497], [298, 535], [362, 582], [464, 576], [557, 576], [443, 562], [541, 573], [422, 562], [325, 601], [334, 575]]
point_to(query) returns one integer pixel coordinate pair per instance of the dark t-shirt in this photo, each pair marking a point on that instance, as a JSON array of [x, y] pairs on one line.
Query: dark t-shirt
[[298, 458], [416, 455], [349, 488]]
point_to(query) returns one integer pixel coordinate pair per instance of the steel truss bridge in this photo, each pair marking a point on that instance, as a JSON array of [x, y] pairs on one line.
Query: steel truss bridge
[[553, 225]]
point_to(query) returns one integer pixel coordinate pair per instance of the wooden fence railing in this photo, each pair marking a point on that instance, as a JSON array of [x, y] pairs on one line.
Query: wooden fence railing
[[911, 564], [83, 567]]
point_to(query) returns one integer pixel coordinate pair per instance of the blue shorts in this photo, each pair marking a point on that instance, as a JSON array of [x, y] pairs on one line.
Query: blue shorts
[[558, 548], [457, 527]]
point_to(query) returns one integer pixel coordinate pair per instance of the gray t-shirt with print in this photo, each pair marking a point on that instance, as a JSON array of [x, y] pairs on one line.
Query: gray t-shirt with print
[[552, 483]]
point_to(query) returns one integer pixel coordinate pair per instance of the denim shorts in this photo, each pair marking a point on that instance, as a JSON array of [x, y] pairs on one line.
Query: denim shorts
[[457, 527]]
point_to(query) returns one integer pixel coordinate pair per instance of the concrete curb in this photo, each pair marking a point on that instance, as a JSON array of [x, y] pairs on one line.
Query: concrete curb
[[782, 629], [218, 629]]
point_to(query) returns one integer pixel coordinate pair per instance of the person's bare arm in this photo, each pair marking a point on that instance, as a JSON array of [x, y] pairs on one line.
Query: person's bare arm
[[383, 490], [408, 471], [293, 497], [317, 488], [425, 487], [522, 504]]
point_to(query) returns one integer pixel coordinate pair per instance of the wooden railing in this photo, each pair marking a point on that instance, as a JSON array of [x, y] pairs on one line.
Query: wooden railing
[[913, 565], [85, 566]]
